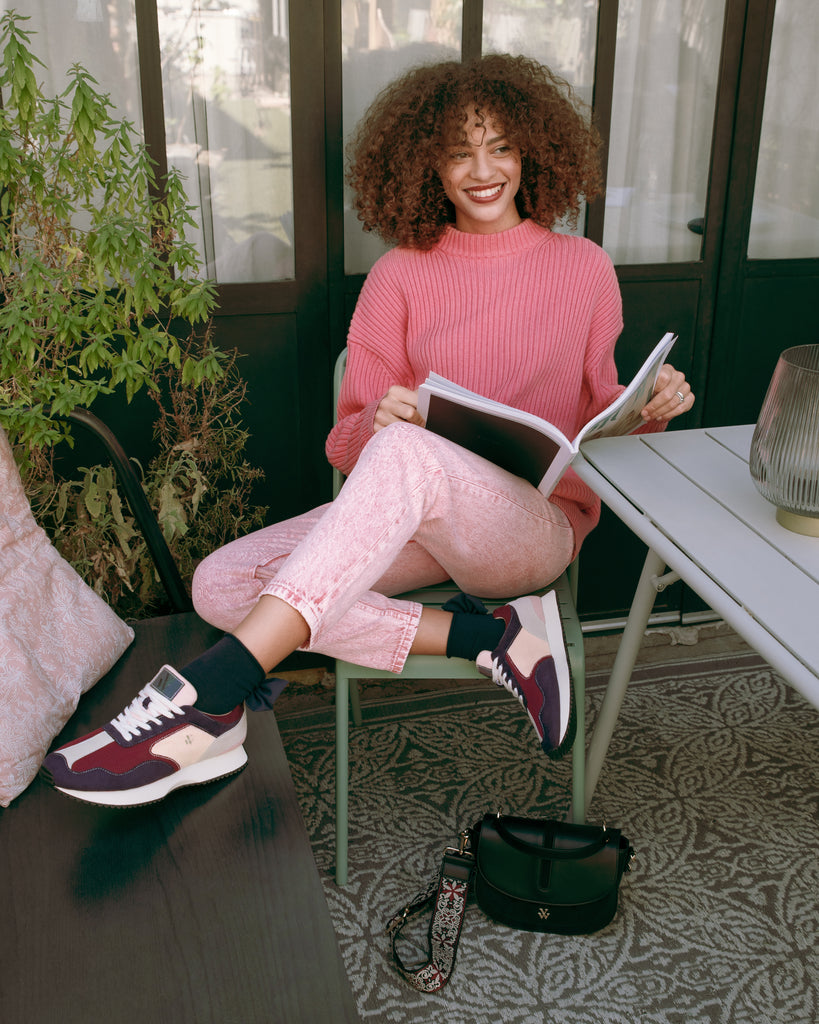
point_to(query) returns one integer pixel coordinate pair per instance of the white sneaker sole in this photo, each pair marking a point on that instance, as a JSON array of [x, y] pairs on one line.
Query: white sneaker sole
[[546, 618], [207, 770]]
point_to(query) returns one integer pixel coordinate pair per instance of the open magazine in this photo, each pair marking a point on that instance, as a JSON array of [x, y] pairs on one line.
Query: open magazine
[[521, 442]]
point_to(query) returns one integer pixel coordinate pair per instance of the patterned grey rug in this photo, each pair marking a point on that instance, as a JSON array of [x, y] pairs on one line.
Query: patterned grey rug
[[713, 774]]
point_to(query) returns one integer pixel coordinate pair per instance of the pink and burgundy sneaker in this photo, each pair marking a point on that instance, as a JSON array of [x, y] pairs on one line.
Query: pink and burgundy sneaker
[[531, 663], [158, 743]]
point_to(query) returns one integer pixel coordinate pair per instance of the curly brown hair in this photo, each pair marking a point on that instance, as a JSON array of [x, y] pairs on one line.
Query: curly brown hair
[[401, 144]]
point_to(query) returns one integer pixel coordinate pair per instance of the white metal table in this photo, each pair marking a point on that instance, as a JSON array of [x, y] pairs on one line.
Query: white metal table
[[688, 494]]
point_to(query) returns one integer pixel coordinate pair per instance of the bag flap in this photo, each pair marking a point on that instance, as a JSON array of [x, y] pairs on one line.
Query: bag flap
[[527, 875]]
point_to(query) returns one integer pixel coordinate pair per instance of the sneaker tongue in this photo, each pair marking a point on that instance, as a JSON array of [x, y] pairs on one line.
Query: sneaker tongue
[[174, 687]]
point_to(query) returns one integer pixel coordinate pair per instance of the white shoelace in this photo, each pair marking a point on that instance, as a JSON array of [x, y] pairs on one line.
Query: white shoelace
[[501, 678], [147, 707]]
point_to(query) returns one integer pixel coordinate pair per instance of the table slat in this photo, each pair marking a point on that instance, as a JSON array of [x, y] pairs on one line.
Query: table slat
[[720, 472], [774, 590]]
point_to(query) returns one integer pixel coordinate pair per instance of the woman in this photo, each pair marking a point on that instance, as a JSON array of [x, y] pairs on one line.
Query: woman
[[466, 167]]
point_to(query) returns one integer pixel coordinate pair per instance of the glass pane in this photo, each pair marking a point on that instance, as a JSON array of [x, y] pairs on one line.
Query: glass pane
[[665, 83], [785, 216], [226, 85], [558, 33], [99, 35], [562, 34], [379, 43]]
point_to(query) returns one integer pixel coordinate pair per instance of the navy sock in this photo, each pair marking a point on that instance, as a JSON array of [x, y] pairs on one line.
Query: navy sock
[[224, 675], [472, 633]]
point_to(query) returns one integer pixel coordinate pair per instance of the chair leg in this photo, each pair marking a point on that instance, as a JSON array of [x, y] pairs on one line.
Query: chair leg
[[342, 773], [355, 701], [566, 589], [578, 808]]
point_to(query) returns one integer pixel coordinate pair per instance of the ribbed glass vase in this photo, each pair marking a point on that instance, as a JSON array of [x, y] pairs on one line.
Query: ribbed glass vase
[[785, 447]]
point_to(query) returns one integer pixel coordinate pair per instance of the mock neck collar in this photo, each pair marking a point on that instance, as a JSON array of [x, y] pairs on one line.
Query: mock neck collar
[[499, 243]]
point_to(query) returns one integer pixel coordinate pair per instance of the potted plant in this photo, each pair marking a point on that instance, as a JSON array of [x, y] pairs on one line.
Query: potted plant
[[100, 293], [94, 264]]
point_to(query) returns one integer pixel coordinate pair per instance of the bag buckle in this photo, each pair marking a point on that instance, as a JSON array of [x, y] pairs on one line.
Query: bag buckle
[[464, 847]]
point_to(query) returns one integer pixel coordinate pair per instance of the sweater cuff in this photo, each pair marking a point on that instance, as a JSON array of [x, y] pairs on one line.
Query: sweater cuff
[[365, 427], [368, 419], [346, 448]]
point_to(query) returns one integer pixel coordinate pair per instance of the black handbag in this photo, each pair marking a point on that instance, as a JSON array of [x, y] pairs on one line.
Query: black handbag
[[544, 876]]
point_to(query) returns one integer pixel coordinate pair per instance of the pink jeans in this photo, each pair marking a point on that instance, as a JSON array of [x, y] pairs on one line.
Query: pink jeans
[[416, 510]]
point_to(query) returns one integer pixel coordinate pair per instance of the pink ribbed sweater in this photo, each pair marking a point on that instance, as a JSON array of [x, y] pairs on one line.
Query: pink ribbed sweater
[[525, 316]]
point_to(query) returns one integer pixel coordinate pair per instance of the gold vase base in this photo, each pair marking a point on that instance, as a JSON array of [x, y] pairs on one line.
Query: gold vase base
[[808, 525]]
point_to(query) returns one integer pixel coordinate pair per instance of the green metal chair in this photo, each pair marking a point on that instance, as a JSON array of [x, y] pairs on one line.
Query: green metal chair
[[419, 666]]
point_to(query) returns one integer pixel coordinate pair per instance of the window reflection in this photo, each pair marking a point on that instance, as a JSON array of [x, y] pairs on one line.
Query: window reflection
[[226, 86], [785, 217], [99, 35], [558, 33], [381, 40], [561, 34], [665, 84]]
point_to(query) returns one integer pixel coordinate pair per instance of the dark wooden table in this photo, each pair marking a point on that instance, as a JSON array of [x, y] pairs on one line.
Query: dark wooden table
[[206, 907]]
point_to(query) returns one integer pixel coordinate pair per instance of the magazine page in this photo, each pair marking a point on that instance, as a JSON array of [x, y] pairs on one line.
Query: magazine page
[[623, 415], [520, 442], [517, 442], [462, 397]]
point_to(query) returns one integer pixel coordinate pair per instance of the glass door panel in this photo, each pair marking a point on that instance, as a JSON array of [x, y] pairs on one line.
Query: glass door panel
[[379, 42], [100, 36], [665, 83], [226, 87], [785, 215], [559, 33]]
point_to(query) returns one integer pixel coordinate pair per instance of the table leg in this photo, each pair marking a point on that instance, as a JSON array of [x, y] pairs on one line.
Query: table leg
[[342, 773], [641, 605]]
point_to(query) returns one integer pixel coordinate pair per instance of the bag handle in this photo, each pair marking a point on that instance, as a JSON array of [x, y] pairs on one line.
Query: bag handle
[[545, 853], [448, 895]]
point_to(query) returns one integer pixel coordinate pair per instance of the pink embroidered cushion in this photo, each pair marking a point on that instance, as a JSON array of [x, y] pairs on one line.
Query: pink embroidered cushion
[[57, 637]]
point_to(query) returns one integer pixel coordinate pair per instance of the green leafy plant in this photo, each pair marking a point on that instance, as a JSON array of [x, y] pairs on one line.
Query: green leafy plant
[[99, 294], [94, 263], [199, 485]]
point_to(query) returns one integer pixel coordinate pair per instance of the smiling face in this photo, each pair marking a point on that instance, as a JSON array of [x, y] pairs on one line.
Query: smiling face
[[481, 177]]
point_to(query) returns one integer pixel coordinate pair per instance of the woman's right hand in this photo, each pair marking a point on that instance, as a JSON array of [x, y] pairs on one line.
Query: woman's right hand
[[399, 405]]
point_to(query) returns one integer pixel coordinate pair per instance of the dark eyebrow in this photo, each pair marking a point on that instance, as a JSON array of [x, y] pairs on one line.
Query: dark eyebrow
[[484, 142]]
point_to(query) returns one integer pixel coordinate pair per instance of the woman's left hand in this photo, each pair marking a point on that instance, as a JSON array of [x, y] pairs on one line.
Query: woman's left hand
[[672, 395]]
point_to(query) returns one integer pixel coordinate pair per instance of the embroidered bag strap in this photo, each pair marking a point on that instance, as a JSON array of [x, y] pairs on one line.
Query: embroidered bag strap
[[447, 894]]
